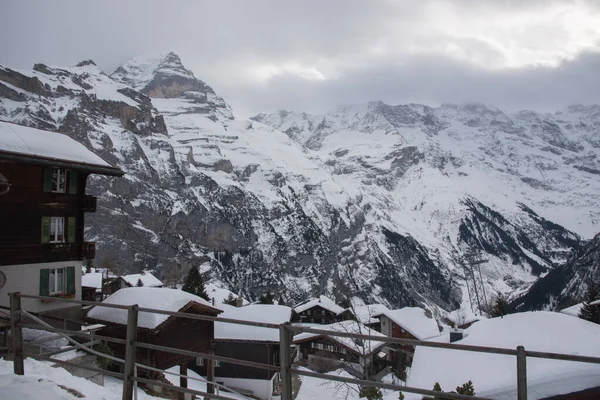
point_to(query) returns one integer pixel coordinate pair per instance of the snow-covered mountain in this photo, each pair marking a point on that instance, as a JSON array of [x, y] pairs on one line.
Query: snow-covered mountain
[[373, 200]]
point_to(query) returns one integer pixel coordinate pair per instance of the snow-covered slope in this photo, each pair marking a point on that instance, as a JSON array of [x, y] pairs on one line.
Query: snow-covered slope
[[375, 201]]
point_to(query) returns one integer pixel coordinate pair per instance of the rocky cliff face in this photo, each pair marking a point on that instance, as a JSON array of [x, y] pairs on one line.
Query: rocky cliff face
[[565, 285], [377, 201]]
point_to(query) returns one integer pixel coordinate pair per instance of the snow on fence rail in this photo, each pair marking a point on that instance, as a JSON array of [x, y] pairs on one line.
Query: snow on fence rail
[[286, 331]]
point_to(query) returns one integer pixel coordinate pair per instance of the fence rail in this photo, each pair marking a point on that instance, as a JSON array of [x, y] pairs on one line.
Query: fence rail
[[286, 332]]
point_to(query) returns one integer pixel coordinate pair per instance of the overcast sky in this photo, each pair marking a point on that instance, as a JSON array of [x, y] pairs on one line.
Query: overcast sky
[[314, 55]]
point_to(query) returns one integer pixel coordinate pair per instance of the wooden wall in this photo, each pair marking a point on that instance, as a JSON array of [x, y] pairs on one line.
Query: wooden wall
[[21, 212]]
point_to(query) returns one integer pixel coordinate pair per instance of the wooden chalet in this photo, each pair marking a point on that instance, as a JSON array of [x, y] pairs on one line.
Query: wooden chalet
[[248, 343], [146, 278], [366, 359], [43, 177], [370, 314], [160, 329], [408, 323], [321, 310]]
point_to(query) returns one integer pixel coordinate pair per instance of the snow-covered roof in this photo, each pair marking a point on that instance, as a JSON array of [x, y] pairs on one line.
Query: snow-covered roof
[[92, 279], [322, 301], [363, 347], [220, 294], [463, 316], [369, 313], [147, 297], [266, 313], [35, 143], [415, 321], [147, 279], [573, 310], [494, 376]]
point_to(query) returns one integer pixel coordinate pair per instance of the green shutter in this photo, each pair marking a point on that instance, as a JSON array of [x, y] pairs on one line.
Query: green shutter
[[71, 229], [73, 182], [45, 229], [47, 179], [44, 284], [70, 280]]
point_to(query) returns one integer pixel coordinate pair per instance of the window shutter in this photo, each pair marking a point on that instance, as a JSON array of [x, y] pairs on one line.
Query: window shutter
[[71, 230], [45, 229], [70, 280], [47, 179], [72, 182], [44, 282]]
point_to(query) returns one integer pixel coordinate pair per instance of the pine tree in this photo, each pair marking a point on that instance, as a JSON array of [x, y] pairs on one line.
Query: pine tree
[[139, 283], [500, 306], [231, 300], [194, 284], [589, 312], [466, 388], [281, 302], [266, 299]]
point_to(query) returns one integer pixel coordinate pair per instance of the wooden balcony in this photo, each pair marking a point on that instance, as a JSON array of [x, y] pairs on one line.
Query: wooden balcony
[[89, 203], [89, 250]]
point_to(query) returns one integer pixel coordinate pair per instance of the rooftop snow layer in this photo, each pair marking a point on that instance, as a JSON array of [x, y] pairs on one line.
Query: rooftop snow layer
[[148, 280], [92, 279], [369, 313], [573, 310], [28, 141], [414, 320], [219, 294], [364, 347], [494, 375], [463, 316], [322, 301], [265, 313], [147, 297]]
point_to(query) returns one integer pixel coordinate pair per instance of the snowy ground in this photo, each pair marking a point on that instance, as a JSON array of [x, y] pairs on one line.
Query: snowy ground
[[41, 382]]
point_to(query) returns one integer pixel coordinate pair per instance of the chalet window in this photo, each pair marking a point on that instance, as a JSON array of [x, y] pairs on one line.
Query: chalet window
[[217, 363], [57, 229], [200, 361], [58, 180], [56, 281], [322, 312], [53, 230]]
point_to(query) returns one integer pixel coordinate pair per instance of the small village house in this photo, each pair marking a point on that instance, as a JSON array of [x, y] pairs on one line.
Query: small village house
[[365, 359], [369, 315], [181, 333], [42, 209], [91, 286], [408, 323], [145, 278], [248, 343], [321, 310]]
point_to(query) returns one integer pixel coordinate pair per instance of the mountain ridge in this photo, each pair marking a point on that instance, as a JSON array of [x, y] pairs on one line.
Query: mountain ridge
[[385, 218]]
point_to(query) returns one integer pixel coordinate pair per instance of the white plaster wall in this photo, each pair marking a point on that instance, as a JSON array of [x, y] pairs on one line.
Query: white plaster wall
[[25, 278], [261, 388]]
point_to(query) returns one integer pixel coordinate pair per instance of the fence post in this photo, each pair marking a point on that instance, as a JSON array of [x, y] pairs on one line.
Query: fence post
[[129, 368], [16, 319], [285, 349], [521, 373]]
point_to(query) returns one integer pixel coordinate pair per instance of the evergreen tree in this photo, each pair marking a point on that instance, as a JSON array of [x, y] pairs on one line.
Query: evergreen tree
[[281, 302], [266, 298], [231, 300], [589, 312], [466, 388], [194, 284], [500, 306], [139, 283]]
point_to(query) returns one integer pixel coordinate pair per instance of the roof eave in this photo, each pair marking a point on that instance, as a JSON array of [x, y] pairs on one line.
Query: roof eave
[[55, 162]]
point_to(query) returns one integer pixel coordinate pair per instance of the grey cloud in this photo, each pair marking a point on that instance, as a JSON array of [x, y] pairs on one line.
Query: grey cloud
[[218, 39]]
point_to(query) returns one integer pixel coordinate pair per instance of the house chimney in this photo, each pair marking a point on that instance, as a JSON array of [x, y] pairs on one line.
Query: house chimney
[[456, 335]]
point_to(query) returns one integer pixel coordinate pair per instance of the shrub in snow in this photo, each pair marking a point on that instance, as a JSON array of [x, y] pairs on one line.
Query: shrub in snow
[[371, 393]]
